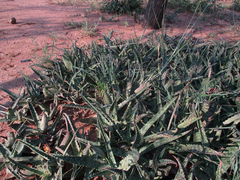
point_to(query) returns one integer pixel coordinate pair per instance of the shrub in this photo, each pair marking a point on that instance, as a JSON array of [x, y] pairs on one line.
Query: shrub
[[122, 6], [236, 5], [196, 5], [165, 107]]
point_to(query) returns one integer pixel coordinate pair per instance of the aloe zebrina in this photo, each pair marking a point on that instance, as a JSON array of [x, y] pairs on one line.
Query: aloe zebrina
[[158, 104]]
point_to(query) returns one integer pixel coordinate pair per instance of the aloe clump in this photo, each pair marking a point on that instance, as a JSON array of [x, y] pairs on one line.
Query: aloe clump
[[165, 107]]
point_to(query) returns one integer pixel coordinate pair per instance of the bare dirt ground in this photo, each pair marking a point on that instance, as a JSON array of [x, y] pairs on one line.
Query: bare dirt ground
[[40, 22]]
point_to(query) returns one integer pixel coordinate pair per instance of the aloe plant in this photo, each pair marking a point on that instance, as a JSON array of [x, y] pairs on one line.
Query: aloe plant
[[166, 107]]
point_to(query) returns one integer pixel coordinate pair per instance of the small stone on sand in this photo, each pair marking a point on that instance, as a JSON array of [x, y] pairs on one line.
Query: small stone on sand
[[13, 20]]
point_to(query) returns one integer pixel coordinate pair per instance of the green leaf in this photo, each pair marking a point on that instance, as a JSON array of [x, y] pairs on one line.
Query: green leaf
[[181, 174], [10, 93], [97, 110], [4, 107], [85, 151], [196, 148], [165, 162], [32, 159], [83, 161], [84, 141], [59, 174], [91, 120], [34, 114], [2, 167], [54, 125], [202, 132], [68, 120], [42, 76], [138, 91], [140, 171], [18, 148], [16, 103], [220, 171], [190, 120], [235, 119], [34, 170], [99, 151], [140, 117], [67, 62], [138, 140], [4, 150], [38, 151], [77, 106], [98, 174], [106, 119], [107, 101], [159, 152], [130, 160], [160, 142], [107, 145], [8, 119], [146, 127], [14, 172], [156, 136]]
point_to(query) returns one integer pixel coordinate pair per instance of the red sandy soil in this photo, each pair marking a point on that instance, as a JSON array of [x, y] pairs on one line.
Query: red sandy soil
[[40, 22]]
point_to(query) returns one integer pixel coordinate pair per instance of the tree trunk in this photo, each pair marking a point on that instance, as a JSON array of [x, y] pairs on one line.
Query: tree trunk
[[154, 14]]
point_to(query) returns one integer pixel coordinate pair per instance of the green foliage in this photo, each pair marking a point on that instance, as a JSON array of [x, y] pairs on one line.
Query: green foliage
[[205, 6], [236, 5], [171, 17], [89, 28], [122, 6], [72, 24], [165, 107], [181, 5]]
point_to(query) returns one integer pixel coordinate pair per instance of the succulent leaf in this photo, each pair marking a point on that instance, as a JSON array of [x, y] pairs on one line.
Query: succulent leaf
[[34, 114], [107, 145], [33, 170], [44, 123], [146, 127], [83, 161], [160, 142], [130, 160]]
